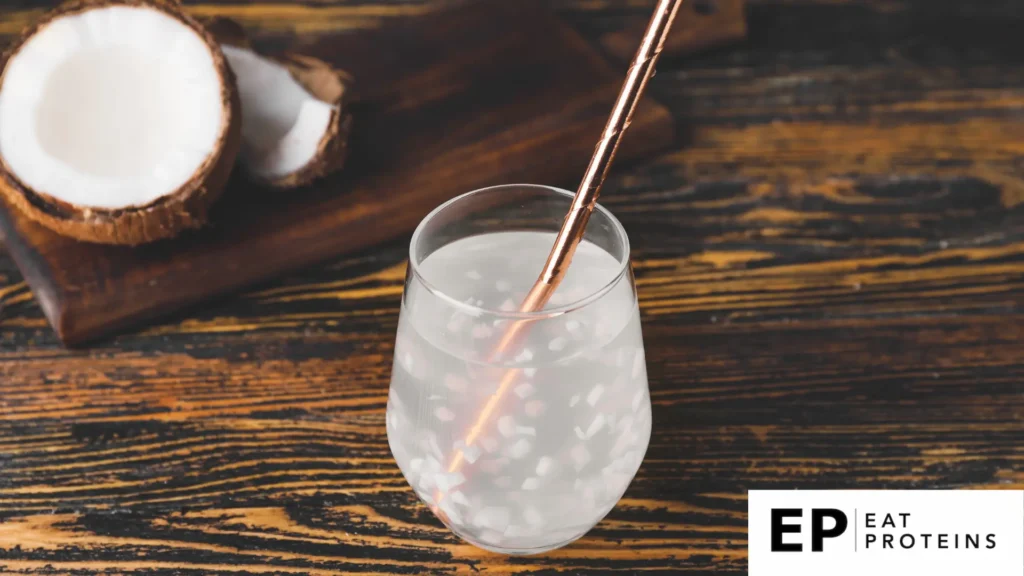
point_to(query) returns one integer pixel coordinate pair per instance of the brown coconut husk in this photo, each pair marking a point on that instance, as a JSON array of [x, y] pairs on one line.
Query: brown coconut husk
[[166, 217], [323, 82]]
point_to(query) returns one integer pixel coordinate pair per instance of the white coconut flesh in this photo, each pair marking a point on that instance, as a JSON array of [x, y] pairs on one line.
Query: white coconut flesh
[[110, 108], [282, 123]]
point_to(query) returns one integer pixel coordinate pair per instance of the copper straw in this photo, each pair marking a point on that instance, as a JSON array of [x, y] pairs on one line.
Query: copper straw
[[640, 71]]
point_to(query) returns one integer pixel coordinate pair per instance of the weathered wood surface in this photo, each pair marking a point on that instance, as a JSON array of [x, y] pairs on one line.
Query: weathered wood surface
[[831, 274]]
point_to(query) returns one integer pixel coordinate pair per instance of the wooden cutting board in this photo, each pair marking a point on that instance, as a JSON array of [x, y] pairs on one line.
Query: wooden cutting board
[[472, 95], [700, 25]]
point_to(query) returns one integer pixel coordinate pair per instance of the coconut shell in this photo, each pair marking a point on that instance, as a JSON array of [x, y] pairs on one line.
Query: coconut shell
[[333, 87], [167, 216], [323, 82]]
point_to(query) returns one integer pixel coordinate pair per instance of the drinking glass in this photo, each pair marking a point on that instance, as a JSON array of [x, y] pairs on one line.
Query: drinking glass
[[523, 448]]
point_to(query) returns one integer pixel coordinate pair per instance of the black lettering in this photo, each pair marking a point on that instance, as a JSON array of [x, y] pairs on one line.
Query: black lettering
[[991, 538], [779, 528], [868, 540], [869, 520], [925, 537], [943, 538], [904, 515], [973, 542], [886, 540], [956, 541], [903, 541], [818, 532]]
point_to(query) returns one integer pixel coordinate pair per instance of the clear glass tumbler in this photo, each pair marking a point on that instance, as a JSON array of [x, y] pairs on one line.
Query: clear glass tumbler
[[523, 447]]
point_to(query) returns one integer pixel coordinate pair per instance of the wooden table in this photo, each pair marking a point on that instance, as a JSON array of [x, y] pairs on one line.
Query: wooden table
[[831, 274]]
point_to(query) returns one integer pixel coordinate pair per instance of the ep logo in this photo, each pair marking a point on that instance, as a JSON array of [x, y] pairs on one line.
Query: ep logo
[[875, 532], [790, 521]]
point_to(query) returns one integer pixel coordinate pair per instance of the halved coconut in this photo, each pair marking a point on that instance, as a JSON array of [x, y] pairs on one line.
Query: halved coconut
[[119, 121], [294, 123]]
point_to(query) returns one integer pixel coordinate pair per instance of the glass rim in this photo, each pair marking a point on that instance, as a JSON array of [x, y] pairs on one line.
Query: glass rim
[[578, 304]]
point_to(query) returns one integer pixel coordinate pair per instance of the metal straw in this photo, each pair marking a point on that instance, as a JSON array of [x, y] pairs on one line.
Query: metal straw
[[640, 71]]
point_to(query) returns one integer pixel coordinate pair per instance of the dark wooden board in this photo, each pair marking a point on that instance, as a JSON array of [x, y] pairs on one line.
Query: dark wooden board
[[477, 94], [831, 278], [702, 25]]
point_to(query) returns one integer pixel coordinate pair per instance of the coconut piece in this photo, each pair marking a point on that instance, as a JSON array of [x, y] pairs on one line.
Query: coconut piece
[[295, 126], [119, 121]]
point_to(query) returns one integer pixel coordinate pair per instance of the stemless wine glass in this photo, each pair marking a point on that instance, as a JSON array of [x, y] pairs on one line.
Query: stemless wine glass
[[522, 448]]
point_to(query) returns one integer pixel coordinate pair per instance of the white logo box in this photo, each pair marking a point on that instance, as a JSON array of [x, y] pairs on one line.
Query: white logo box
[[899, 532]]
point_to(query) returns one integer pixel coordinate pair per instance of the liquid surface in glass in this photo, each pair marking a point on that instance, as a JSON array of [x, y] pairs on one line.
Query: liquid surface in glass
[[570, 433]]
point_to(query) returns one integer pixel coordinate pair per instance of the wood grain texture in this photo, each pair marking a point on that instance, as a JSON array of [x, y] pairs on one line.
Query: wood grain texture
[[701, 24], [831, 276], [446, 103]]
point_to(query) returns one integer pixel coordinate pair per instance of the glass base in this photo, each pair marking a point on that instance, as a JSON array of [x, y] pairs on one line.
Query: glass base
[[519, 551]]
